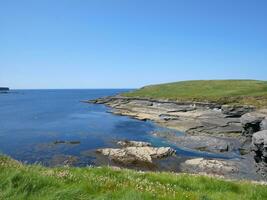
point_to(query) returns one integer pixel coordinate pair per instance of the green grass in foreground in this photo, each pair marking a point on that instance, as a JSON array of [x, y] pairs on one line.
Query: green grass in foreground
[[32, 182], [249, 92]]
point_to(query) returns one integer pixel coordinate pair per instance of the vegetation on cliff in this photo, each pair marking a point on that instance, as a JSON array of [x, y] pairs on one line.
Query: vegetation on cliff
[[19, 181], [245, 92]]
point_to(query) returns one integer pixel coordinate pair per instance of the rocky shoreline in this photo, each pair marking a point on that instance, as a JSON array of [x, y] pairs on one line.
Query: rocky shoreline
[[210, 127]]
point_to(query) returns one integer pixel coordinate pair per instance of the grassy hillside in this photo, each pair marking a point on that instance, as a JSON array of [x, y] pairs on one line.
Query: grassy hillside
[[33, 182], [249, 92]]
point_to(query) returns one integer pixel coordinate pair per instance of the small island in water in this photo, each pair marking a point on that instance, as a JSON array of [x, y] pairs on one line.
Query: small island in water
[[4, 89]]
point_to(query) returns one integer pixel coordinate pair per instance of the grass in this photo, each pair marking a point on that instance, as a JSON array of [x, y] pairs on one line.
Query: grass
[[245, 92], [33, 182]]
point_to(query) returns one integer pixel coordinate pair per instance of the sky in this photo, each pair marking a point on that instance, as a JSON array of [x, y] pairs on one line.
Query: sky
[[130, 43]]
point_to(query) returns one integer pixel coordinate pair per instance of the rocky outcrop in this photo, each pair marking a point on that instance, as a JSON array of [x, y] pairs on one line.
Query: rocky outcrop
[[207, 127], [210, 166], [133, 152], [235, 110], [259, 147], [253, 122]]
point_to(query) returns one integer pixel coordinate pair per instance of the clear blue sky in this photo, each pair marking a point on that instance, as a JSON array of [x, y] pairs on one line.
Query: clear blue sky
[[130, 43]]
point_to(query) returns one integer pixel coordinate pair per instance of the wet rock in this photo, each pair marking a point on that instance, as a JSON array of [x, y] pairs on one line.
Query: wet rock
[[251, 123], [235, 110], [127, 143], [201, 142], [66, 142], [210, 166], [59, 142], [63, 160], [205, 143], [134, 154]]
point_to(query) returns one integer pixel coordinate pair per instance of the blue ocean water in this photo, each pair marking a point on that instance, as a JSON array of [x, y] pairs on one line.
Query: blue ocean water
[[32, 120]]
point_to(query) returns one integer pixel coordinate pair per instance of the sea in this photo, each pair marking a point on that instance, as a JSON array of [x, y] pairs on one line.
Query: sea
[[54, 127]]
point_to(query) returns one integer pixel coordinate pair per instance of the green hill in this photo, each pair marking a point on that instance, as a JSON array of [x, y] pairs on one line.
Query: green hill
[[33, 182], [249, 92]]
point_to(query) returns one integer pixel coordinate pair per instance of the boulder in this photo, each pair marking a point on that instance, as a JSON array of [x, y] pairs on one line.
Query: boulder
[[130, 155], [260, 138], [251, 123], [235, 110]]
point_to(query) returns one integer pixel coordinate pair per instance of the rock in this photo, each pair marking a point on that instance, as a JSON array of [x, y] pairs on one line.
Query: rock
[[66, 142], [129, 155], [211, 166], [141, 102], [59, 142], [263, 124], [174, 107], [201, 142], [259, 147], [168, 117], [260, 138], [205, 143], [127, 143], [251, 123], [63, 160], [235, 110], [189, 117]]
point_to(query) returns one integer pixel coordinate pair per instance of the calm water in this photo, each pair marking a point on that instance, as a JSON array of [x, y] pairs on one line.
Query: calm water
[[32, 120]]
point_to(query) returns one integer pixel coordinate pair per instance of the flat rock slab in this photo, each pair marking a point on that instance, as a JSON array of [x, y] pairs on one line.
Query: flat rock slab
[[202, 142], [236, 111], [211, 166]]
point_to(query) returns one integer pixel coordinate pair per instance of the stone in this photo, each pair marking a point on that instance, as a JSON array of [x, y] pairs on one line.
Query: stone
[[260, 138], [129, 155], [235, 110], [63, 160], [66, 142]]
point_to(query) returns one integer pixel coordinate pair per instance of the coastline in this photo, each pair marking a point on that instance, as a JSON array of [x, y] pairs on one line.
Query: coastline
[[207, 126]]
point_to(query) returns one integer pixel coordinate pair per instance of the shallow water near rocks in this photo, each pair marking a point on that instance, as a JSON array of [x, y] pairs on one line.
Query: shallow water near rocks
[[52, 126]]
